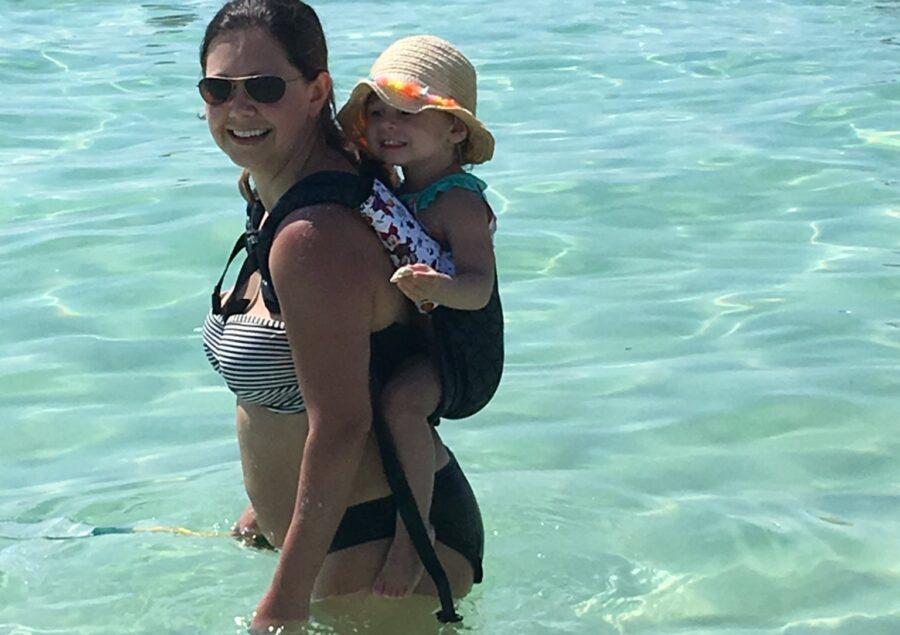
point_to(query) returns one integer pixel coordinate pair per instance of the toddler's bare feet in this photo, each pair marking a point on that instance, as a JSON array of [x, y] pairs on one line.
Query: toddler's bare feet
[[402, 569]]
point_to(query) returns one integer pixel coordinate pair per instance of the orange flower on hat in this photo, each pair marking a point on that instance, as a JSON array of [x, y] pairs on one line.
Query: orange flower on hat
[[414, 90]]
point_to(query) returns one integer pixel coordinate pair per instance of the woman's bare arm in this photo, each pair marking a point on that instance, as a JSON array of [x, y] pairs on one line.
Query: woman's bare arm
[[327, 298]]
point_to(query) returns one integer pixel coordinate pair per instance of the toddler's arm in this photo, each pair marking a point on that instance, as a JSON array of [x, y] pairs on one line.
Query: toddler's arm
[[461, 217]]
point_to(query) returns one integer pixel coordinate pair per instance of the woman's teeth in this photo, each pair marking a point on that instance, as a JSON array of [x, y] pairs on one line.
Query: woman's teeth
[[247, 134]]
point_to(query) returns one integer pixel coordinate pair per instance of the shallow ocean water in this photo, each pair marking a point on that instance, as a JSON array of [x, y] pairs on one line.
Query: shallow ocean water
[[697, 430]]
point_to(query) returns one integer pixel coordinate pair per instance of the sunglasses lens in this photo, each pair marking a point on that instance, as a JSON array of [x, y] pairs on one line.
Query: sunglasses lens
[[214, 90], [266, 89]]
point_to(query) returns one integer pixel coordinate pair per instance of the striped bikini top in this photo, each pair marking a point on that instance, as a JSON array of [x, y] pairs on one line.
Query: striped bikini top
[[254, 358]]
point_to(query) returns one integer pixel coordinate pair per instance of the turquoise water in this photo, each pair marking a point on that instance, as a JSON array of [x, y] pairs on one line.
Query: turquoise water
[[699, 212]]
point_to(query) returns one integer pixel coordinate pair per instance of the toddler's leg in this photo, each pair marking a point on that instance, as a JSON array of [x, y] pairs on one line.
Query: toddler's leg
[[409, 397]]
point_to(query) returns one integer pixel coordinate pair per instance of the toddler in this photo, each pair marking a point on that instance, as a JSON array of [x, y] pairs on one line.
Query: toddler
[[416, 111]]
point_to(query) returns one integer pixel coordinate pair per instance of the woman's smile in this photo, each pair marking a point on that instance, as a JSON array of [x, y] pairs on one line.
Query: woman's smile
[[248, 136]]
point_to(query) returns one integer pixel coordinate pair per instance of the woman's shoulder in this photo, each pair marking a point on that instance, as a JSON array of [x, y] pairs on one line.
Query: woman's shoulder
[[328, 260], [320, 229]]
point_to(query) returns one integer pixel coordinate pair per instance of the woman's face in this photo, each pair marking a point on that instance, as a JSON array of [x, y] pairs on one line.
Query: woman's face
[[258, 136]]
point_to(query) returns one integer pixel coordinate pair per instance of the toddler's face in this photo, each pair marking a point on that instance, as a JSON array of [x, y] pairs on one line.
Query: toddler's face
[[407, 139]]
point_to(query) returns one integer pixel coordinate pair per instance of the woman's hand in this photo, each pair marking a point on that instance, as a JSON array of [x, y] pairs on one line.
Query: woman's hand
[[246, 530], [421, 283], [276, 611]]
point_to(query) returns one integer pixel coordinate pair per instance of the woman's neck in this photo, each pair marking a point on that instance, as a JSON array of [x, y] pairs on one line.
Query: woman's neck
[[310, 156]]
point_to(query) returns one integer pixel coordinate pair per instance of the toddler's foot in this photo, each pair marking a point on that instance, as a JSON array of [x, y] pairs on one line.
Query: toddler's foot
[[402, 569]]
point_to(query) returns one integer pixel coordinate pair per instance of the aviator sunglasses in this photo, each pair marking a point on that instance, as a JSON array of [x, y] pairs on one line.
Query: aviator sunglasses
[[265, 89]]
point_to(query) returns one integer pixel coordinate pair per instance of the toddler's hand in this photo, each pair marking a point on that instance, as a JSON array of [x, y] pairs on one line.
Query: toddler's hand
[[420, 283]]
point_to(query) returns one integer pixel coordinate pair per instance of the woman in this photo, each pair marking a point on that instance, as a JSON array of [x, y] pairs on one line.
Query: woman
[[312, 466]]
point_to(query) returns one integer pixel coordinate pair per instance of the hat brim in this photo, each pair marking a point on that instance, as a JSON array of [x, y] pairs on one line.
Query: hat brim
[[479, 144]]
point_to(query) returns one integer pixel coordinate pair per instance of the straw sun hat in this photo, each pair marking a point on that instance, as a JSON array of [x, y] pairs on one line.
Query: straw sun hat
[[419, 73]]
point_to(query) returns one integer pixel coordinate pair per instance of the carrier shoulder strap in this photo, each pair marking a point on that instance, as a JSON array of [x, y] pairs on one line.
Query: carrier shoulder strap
[[342, 188], [245, 242]]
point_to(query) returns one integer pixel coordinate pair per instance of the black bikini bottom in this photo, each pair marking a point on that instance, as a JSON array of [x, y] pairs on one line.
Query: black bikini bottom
[[454, 515]]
